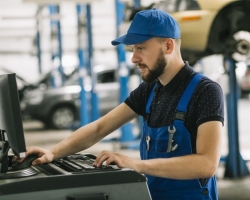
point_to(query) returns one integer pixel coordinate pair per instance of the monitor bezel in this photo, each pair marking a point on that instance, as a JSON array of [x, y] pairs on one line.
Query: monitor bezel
[[11, 103]]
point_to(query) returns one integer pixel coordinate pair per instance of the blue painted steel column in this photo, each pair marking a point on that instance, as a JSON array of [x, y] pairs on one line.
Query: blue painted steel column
[[94, 97], [59, 37], [84, 113], [127, 134], [57, 74], [38, 46], [137, 3], [235, 165]]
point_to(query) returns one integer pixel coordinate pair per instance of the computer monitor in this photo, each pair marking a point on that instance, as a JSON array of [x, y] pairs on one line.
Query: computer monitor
[[10, 114], [12, 134]]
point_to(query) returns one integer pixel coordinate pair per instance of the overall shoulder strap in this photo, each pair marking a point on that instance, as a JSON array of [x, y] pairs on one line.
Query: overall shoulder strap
[[186, 96], [150, 98]]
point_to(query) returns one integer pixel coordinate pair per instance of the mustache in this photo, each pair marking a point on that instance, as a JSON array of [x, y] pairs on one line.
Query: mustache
[[141, 65]]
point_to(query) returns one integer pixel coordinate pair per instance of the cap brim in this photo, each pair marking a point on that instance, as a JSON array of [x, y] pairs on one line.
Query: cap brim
[[130, 39]]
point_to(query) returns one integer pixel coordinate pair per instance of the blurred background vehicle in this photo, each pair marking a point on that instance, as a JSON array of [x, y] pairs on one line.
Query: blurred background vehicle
[[59, 107], [24, 87], [208, 27]]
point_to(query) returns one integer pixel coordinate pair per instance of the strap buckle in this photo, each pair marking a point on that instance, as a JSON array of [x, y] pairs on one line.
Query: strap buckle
[[180, 115]]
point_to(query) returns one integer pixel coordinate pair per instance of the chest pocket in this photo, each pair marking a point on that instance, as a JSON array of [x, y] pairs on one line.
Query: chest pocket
[[158, 143]]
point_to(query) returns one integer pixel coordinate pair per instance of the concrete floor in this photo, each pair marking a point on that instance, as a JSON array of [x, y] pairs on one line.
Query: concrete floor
[[229, 189]]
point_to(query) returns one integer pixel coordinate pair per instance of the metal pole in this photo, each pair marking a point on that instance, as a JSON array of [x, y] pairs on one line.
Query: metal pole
[[38, 45], [81, 25], [235, 165], [137, 3], [126, 130], [94, 97], [57, 71], [59, 37]]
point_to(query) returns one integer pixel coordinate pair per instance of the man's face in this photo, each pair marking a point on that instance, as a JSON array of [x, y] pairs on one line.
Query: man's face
[[157, 70], [149, 58]]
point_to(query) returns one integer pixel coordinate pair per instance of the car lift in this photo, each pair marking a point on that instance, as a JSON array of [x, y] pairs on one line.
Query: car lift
[[85, 67], [235, 165]]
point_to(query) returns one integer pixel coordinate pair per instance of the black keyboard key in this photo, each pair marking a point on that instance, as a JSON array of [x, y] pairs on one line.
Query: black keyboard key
[[81, 163]]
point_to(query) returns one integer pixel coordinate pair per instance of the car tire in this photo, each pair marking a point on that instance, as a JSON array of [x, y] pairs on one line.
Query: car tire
[[230, 32], [62, 117]]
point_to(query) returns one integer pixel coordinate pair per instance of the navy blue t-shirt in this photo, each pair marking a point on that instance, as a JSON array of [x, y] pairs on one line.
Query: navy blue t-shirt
[[206, 104]]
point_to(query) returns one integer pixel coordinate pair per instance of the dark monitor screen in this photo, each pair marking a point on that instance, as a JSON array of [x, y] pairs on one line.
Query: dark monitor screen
[[10, 114]]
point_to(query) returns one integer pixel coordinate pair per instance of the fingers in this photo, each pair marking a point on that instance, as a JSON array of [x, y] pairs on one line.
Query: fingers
[[44, 156], [102, 157], [107, 157], [34, 150], [40, 161]]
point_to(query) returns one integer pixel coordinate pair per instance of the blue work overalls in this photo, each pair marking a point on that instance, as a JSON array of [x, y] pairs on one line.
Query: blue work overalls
[[173, 141]]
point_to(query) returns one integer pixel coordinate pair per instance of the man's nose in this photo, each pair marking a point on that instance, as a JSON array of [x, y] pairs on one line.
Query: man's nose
[[135, 58]]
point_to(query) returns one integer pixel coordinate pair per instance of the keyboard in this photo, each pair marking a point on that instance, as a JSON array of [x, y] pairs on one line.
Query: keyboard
[[78, 163]]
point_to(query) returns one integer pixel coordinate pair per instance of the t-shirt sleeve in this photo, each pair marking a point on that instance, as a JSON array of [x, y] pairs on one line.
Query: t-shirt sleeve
[[210, 104], [138, 98]]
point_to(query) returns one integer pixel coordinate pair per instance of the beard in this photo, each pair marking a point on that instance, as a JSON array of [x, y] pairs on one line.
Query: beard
[[158, 69]]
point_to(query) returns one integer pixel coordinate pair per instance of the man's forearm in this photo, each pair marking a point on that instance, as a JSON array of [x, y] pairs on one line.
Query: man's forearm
[[184, 167], [79, 140], [88, 135]]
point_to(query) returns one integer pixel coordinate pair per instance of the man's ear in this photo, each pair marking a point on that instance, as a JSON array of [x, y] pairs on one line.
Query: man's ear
[[169, 45]]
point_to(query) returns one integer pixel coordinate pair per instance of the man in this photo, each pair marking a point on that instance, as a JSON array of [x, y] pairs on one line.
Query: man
[[182, 111]]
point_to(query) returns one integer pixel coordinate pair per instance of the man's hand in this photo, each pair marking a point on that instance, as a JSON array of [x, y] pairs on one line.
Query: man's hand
[[44, 155], [119, 159]]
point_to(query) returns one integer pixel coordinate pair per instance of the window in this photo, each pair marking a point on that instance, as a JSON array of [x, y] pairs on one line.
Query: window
[[171, 6], [106, 77], [168, 5], [188, 5]]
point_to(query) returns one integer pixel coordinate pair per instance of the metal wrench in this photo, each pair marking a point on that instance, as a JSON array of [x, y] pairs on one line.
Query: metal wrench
[[170, 138], [147, 141]]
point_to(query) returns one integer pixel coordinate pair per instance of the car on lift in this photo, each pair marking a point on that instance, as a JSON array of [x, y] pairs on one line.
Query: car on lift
[[24, 86], [208, 27], [59, 107]]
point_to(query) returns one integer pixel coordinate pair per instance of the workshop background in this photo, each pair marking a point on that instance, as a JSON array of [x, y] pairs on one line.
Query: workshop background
[[69, 74]]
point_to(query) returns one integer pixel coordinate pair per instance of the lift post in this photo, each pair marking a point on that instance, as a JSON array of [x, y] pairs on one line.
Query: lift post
[[57, 73], [38, 46], [84, 113], [137, 3], [57, 53], [86, 66], [94, 98], [126, 130], [235, 165]]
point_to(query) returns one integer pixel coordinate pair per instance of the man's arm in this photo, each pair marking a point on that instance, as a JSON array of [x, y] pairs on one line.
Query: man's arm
[[85, 136], [201, 165]]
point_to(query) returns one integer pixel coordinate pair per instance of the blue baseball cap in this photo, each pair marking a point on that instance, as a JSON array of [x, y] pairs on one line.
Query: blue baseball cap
[[148, 24]]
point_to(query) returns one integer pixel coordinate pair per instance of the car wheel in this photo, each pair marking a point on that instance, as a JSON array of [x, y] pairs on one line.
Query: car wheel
[[230, 32], [242, 46], [62, 117]]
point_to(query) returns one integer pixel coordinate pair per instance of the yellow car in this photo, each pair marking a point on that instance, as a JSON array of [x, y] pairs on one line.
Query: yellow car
[[210, 27]]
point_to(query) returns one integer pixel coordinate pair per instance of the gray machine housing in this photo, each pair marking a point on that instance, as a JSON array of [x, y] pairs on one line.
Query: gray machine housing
[[57, 184]]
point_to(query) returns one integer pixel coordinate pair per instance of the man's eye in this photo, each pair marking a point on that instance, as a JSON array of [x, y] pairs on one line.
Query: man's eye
[[140, 48]]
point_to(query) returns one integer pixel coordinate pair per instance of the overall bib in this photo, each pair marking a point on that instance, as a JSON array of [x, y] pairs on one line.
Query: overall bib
[[173, 141]]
